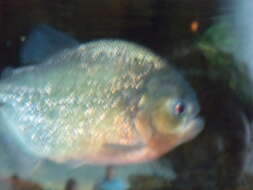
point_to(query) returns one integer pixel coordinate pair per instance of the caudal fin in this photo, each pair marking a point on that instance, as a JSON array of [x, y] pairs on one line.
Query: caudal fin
[[13, 156]]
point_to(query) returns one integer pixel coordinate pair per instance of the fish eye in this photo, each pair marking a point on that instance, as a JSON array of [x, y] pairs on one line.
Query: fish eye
[[179, 108]]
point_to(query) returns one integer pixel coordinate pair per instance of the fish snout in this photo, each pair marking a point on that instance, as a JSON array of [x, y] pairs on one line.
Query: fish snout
[[192, 127]]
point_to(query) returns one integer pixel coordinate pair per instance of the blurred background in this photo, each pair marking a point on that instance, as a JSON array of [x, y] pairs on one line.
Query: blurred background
[[158, 24], [201, 38]]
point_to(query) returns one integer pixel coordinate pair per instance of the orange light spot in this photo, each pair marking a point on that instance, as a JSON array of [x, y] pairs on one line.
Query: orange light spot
[[194, 26]]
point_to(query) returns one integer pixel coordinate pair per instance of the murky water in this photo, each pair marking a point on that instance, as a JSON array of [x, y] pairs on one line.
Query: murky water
[[209, 42]]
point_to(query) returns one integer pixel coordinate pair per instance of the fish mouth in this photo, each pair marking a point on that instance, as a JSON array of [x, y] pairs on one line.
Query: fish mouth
[[193, 127]]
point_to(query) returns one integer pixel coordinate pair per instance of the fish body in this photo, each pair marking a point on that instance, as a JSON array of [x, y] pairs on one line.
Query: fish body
[[103, 102]]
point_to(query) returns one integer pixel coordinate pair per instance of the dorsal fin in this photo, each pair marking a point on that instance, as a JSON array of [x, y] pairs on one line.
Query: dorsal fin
[[44, 42]]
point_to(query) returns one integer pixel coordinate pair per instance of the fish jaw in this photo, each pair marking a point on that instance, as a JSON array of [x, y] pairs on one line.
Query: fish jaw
[[158, 144], [192, 128], [164, 143]]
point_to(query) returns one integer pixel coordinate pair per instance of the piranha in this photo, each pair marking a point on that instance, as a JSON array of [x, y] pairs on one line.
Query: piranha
[[102, 102]]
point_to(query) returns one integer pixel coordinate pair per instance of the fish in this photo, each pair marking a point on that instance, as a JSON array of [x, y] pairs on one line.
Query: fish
[[103, 102]]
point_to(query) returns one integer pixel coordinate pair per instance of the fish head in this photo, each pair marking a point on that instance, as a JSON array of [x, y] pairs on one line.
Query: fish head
[[168, 112]]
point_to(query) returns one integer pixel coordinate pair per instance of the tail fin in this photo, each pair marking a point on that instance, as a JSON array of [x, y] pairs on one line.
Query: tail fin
[[13, 156]]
